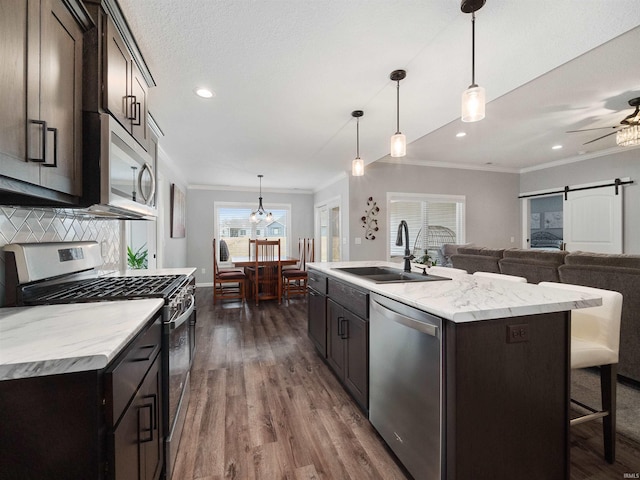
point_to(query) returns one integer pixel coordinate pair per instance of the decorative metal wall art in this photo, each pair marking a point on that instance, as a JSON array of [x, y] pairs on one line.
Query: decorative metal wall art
[[369, 221]]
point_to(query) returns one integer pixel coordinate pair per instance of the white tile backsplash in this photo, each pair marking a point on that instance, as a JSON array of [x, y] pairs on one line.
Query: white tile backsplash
[[19, 225]]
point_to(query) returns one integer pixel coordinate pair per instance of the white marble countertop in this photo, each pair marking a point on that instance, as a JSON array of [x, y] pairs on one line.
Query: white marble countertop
[[54, 339], [466, 298]]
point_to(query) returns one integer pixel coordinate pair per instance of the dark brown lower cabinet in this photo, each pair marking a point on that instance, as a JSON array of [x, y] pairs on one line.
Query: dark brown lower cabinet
[[317, 304], [137, 440], [348, 350], [99, 424]]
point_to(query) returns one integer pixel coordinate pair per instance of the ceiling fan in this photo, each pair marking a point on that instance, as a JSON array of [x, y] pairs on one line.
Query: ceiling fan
[[624, 123]]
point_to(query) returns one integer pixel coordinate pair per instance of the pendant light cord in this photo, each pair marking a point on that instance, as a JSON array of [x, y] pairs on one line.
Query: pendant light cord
[[473, 49], [398, 107], [358, 137]]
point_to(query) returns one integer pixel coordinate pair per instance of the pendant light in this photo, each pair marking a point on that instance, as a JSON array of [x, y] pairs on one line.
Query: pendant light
[[357, 165], [398, 141], [257, 215], [473, 98]]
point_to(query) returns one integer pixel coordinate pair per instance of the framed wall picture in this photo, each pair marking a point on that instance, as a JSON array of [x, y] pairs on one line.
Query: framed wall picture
[[535, 220], [178, 212], [553, 220]]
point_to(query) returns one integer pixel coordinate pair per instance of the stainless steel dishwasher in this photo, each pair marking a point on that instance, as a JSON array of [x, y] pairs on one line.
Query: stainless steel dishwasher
[[405, 384]]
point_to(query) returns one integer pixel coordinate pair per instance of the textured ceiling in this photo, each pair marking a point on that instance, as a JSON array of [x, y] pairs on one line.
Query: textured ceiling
[[288, 73]]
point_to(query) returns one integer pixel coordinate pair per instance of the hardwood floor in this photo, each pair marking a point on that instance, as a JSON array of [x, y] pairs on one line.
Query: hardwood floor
[[264, 407]]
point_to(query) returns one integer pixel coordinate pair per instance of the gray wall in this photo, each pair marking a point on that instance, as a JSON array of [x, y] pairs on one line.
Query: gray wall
[[172, 252], [200, 218], [492, 207], [619, 165]]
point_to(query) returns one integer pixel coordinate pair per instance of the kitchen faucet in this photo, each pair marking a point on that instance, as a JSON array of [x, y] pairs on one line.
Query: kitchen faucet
[[407, 253]]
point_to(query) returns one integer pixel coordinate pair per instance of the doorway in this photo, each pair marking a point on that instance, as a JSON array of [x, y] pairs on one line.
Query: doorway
[[328, 227]]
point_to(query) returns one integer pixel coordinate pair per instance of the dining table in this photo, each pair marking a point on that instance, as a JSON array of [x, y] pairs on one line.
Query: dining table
[[247, 261], [275, 290]]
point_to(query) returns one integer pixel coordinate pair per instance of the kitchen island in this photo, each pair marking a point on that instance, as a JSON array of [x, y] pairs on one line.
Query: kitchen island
[[491, 397]]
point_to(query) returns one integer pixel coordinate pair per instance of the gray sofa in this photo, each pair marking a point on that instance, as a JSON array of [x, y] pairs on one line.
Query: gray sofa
[[534, 265], [473, 259], [620, 273]]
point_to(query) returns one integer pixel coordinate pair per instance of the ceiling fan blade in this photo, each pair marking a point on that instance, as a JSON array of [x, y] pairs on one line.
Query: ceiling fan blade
[[599, 138], [590, 129]]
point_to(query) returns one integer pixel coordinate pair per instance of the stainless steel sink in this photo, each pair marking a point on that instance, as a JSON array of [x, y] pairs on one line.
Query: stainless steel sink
[[388, 275]]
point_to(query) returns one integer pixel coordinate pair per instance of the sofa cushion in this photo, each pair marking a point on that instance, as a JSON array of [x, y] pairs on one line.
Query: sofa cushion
[[535, 271], [603, 259], [557, 258], [488, 252], [448, 249]]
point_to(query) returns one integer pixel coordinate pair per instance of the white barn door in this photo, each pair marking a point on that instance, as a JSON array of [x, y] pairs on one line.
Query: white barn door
[[593, 220]]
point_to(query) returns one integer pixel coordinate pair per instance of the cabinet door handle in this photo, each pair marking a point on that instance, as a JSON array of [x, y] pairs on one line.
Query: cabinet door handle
[[345, 330], [150, 429], [153, 349], [137, 118], [340, 319], [43, 134], [55, 147], [130, 107], [154, 398]]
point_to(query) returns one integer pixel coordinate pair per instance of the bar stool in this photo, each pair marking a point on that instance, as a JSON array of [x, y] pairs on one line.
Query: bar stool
[[595, 342], [448, 272]]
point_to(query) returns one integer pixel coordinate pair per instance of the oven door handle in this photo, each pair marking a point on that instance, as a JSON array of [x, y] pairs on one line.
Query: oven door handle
[[182, 318]]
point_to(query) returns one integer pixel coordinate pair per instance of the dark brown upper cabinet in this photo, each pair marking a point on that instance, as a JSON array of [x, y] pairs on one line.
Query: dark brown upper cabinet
[[125, 91], [41, 98]]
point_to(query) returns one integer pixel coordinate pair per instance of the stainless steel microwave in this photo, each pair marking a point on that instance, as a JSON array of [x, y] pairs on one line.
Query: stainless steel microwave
[[118, 174]]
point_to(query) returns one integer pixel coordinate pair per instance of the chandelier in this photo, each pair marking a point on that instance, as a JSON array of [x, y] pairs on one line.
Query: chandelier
[[257, 215]]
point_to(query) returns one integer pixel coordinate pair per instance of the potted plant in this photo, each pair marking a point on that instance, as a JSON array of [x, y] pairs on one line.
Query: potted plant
[[138, 259]]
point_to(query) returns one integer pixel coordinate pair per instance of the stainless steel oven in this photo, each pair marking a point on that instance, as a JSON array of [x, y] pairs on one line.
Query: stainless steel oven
[[64, 272]]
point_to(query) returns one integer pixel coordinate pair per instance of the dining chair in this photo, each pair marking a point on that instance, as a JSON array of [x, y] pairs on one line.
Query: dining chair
[[595, 342], [309, 251], [296, 266], [294, 280], [227, 283], [267, 271], [500, 276]]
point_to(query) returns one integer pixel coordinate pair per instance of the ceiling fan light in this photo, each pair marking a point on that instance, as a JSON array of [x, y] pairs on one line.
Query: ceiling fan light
[[473, 102], [357, 167], [398, 145], [629, 136]]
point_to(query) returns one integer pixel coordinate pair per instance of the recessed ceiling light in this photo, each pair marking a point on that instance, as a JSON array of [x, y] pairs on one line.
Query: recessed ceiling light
[[556, 147], [204, 93], [460, 134]]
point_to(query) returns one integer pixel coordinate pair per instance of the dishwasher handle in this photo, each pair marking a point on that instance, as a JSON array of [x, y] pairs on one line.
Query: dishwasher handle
[[389, 314]]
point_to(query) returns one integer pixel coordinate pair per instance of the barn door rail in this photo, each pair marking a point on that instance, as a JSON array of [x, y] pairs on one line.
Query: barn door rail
[[616, 183]]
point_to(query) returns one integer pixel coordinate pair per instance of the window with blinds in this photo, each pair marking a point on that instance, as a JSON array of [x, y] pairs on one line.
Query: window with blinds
[[432, 220], [232, 224]]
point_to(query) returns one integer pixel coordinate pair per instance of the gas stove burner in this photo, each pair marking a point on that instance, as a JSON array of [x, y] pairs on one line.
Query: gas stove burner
[[102, 289]]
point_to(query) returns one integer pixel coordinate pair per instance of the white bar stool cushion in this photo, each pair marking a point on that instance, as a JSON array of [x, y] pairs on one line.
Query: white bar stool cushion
[[595, 331], [500, 276], [448, 272]]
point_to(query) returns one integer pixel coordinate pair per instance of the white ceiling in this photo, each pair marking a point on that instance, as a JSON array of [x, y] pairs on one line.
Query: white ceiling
[[288, 73]]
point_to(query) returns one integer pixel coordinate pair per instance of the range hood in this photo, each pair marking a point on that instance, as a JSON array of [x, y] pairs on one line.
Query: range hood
[[118, 175]]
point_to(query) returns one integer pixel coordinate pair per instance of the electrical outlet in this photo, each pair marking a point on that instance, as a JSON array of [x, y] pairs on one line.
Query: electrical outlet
[[358, 240], [518, 333], [204, 270]]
